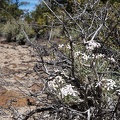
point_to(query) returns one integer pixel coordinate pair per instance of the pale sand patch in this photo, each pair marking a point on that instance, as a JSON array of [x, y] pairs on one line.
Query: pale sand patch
[[16, 71]]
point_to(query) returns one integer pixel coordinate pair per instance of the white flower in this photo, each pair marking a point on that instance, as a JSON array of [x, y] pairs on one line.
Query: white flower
[[98, 84], [59, 79], [60, 45], [85, 57], [100, 55], [53, 85], [56, 82], [91, 45], [76, 54], [112, 59], [68, 90], [110, 84], [56, 70], [68, 46]]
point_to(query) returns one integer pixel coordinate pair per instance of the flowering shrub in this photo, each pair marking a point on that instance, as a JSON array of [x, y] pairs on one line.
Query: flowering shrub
[[64, 91], [82, 73]]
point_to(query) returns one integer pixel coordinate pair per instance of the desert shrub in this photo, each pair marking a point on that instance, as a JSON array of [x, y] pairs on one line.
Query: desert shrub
[[9, 30], [12, 30], [80, 74]]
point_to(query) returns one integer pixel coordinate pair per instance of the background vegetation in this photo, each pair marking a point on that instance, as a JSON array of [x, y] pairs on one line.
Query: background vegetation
[[79, 62]]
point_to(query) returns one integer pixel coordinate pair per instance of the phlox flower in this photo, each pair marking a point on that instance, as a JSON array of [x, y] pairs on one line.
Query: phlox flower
[[111, 59], [59, 79], [91, 45], [60, 45], [53, 85], [85, 57], [100, 55], [68, 47], [110, 84], [68, 90], [98, 84], [76, 54], [56, 82]]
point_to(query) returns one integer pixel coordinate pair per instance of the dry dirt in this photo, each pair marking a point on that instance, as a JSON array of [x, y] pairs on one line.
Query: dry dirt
[[17, 78]]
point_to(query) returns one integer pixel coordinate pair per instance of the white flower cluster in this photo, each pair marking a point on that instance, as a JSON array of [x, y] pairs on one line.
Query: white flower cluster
[[52, 85], [91, 45], [111, 59], [76, 54], [61, 89], [59, 79], [98, 56], [109, 84], [56, 82], [68, 90], [60, 46], [84, 56]]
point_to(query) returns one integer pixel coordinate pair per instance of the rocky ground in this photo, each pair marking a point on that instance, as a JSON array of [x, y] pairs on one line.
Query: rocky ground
[[17, 79]]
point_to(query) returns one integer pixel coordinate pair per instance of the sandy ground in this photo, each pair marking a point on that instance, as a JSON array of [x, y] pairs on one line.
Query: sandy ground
[[17, 79]]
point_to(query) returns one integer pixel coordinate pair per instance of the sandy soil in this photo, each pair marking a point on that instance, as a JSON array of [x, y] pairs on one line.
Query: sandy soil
[[17, 79]]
